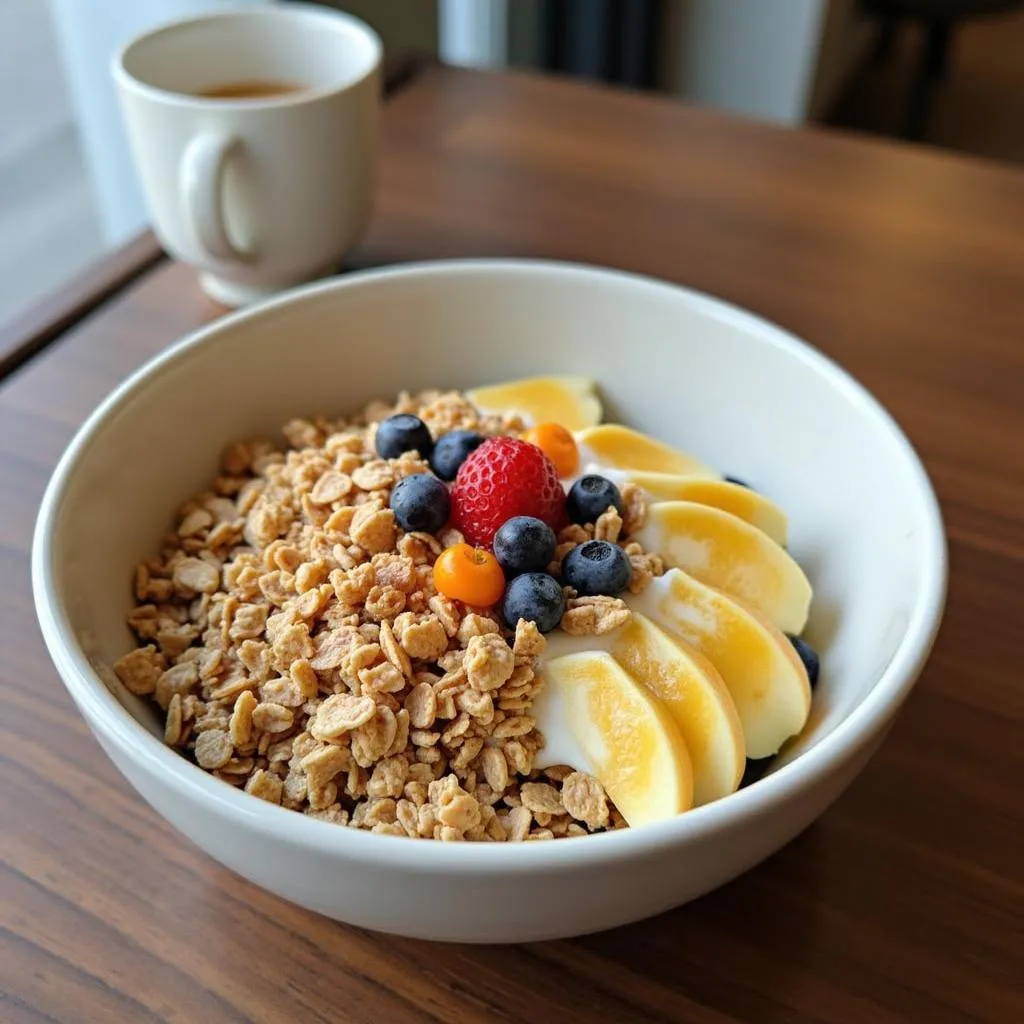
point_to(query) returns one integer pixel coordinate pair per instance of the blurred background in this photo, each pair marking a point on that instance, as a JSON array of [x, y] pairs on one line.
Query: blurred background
[[946, 73]]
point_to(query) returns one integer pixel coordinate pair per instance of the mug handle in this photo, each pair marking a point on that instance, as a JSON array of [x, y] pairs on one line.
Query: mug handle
[[201, 181]]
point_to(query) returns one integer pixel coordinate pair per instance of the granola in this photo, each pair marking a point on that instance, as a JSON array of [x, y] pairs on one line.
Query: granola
[[293, 637]]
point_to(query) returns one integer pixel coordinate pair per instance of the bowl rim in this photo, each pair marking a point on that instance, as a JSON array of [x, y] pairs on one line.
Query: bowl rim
[[114, 724]]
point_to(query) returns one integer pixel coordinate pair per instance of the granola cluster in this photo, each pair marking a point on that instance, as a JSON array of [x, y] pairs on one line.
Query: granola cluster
[[294, 640]]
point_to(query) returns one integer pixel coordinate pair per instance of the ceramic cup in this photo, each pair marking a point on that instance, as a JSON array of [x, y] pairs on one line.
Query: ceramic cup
[[264, 191]]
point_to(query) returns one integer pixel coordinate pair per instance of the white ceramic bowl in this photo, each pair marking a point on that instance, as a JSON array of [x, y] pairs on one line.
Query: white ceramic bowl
[[733, 389]]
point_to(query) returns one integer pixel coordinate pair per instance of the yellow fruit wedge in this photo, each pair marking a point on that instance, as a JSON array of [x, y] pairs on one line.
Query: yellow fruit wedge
[[761, 670], [569, 401], [693, 692], [725, 551], [741, 502], [600, 720], [614, 446]]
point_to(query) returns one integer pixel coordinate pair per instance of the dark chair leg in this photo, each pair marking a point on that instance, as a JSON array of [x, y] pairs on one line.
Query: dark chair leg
[[884, 42], [937, 46], [931, 69]]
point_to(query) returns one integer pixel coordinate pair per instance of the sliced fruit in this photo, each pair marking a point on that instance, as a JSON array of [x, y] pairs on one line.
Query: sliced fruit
[[570, 401], [689, 686], [742, 502], [725, 551], [617, 447], [761, 670], [600, 720]]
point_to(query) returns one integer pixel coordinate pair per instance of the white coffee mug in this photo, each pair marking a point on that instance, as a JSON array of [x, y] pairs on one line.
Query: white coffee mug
[[267, 191]]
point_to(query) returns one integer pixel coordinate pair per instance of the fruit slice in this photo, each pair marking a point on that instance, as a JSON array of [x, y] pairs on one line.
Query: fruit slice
[[693, 692], [570, 401], [742, 502], [761, 670], [598, 719], [721, 549], [614, 446]]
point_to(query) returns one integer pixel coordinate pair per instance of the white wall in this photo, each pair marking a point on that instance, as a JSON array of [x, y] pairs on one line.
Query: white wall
[[473, 33], [754, 57]]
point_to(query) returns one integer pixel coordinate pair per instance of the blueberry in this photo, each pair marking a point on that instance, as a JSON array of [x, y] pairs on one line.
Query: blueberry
[[451, 451], [403, 433], [524, 544], [421, 502], [739, 483], [597, 567], [808, 655], [590, 496], [536, 597], [755, 769]]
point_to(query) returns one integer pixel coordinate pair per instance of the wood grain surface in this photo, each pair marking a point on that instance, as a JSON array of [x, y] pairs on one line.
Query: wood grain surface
[[903, 903]]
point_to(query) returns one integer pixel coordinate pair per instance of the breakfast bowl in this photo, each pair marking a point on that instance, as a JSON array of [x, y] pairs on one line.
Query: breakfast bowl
[[736, 391]]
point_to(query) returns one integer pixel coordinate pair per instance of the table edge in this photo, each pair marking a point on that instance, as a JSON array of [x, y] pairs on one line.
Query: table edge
[[42, 323]]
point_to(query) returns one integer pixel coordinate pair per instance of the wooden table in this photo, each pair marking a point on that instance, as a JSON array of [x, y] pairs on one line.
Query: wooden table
[[903, 903]]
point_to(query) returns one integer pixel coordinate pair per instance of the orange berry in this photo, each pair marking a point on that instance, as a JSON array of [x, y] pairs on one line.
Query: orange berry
[[469, 574], [557, 444]]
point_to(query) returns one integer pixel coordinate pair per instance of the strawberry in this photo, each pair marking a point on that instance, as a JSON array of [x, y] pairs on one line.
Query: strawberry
[[503, 478]]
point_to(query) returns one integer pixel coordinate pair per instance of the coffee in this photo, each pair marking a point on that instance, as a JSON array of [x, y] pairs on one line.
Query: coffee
[[249, 90]]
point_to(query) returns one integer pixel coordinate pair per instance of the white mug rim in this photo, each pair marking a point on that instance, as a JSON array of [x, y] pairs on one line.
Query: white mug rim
[[293, 12]]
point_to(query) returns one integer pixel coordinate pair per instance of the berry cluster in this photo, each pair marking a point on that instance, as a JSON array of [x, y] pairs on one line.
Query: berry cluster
[[507, 500]]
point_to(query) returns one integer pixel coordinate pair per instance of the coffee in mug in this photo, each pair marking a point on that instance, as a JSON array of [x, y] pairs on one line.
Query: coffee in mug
[[250, 90]]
